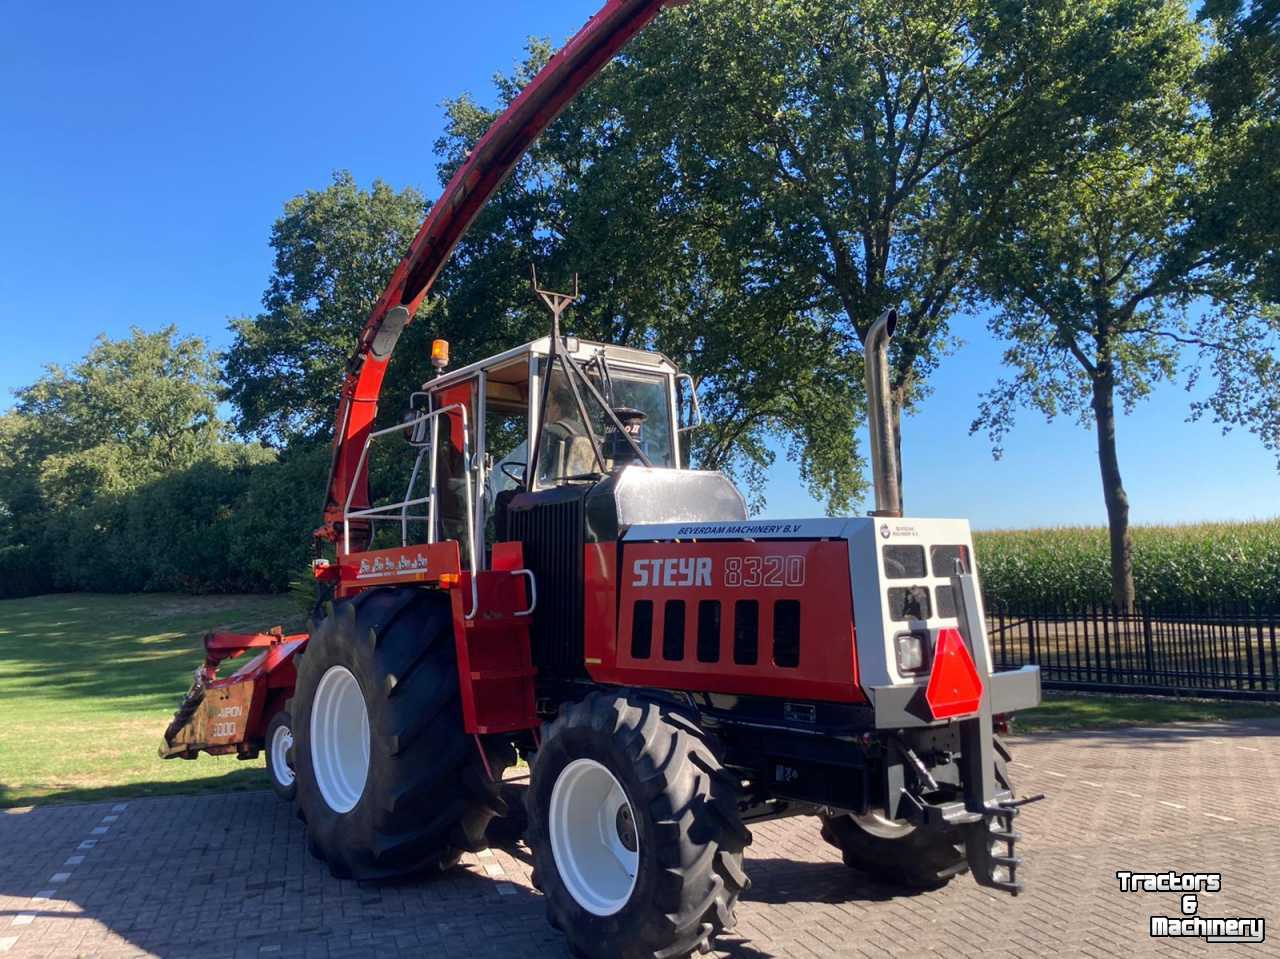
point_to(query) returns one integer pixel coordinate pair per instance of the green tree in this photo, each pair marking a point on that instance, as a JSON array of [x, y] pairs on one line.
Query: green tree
[[335, 250], [1241, 80], [132, 410], [598, 196], [1105, 280]]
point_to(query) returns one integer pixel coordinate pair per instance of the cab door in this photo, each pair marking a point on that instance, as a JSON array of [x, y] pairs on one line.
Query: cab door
[[454, 442]]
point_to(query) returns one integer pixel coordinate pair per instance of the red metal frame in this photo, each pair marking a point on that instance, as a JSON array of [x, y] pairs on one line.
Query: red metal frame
[[475, 181]]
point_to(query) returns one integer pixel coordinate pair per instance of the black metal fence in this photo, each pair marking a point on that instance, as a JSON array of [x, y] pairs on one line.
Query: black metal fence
[[1219, 652]]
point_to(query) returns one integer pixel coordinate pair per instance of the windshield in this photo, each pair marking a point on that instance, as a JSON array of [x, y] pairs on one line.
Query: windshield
[[566, 451], [644, 392]]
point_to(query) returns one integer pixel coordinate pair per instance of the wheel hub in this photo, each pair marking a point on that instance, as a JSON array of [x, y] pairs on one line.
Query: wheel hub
[[281, 743], [340, 739], [593, 837], [626, 829]]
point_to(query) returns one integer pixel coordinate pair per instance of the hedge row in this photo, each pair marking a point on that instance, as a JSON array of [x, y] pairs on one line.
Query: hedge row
[[214, 527], [1174, 566]]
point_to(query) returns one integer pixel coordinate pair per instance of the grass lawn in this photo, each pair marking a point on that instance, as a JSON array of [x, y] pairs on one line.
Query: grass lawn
[[1066, 711], [88, 683]]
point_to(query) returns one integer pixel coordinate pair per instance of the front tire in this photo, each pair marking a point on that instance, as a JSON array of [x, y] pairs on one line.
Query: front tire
[[634, 828], [388, 782]]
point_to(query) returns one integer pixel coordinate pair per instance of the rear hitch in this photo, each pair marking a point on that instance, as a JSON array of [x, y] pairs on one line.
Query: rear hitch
[[992, 868]]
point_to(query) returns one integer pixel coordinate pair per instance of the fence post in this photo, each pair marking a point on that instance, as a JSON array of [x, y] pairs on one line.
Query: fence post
[[1150, 645], [1275, 654], [1248, 644]]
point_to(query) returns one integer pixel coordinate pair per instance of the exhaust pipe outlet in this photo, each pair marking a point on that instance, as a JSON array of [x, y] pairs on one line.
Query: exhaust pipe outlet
[[884, 455]]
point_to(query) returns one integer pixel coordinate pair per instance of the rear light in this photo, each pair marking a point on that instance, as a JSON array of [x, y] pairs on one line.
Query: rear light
[[912, 652]]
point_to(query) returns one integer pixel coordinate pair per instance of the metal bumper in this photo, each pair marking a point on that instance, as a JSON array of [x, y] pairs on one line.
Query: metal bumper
[[985, 816], [904, 707]]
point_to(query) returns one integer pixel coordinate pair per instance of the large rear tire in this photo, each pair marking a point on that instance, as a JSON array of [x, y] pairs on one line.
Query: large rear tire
[[895, 852], [901, 854], [388, 782], [634, 828]]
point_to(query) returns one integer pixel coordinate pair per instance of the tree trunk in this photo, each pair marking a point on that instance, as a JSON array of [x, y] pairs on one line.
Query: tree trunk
[[1104, 410]]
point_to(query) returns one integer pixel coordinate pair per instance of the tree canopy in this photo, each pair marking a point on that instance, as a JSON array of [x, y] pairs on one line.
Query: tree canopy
[[335, 249], [130, 411], [752, 183], [1241, 85]]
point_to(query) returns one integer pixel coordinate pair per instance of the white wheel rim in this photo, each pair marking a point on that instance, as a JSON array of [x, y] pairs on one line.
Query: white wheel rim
[[878, 824], [340, 739], [281, 743], [592, 826]]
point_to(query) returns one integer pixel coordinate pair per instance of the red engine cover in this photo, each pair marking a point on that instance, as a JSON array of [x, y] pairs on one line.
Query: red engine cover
[[768, 618]]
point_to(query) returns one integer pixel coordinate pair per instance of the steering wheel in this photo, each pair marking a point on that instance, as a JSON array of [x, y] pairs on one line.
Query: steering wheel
[[508, 467]]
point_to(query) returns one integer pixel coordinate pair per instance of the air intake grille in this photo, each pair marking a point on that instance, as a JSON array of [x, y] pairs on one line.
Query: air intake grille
[[551, 532]]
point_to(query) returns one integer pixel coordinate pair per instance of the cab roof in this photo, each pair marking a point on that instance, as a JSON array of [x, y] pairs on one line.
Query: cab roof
[[579, 349]]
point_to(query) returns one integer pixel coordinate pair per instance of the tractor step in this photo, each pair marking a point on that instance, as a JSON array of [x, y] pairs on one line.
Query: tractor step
[[996, 827]]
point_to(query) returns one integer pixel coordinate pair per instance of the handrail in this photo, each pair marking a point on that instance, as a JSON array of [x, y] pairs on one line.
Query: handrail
[[378, 513]]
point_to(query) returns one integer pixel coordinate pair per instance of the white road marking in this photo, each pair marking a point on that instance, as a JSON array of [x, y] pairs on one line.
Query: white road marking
[[1213, 815], [1050, 772], [485, 854], [506, 888], [493, 869], [1249, 749], [46, 895], [1090, 782], [1125, 792], [1018, 762], [1165, 802]]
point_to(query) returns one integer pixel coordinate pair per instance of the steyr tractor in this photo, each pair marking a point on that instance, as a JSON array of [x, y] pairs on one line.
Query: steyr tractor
[[551, 583]]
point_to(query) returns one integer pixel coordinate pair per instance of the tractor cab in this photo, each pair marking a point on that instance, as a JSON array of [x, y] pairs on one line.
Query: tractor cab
[[540, 419]]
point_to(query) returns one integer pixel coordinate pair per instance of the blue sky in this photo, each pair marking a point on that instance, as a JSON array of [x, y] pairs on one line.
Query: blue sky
[[146, 148]]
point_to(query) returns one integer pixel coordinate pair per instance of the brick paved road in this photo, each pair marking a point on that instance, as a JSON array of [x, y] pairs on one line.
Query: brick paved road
[[229, 876]]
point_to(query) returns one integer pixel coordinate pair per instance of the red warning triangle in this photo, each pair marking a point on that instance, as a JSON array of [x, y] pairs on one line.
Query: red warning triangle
[[955, 688]]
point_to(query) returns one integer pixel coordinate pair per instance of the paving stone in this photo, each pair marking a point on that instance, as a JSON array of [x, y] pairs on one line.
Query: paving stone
[[229, 876]]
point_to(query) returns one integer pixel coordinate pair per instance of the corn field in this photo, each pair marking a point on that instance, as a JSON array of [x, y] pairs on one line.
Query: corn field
[[1175, 567]]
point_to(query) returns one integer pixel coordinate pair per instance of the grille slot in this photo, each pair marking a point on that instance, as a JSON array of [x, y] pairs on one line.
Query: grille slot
[[550, 525]]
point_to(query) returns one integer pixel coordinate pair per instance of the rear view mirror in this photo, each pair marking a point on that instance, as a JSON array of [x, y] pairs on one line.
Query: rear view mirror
[[690, 415]]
